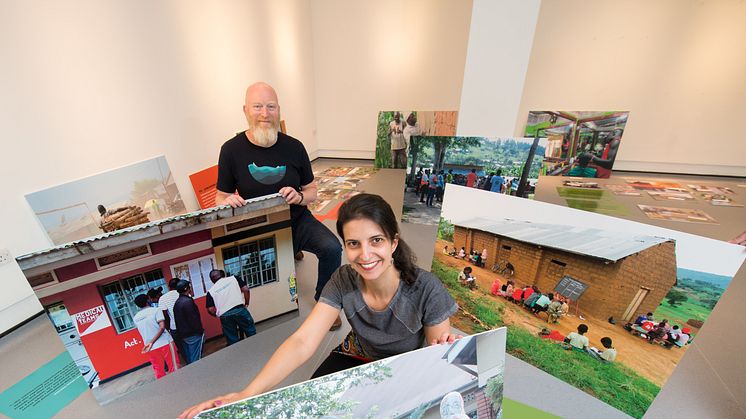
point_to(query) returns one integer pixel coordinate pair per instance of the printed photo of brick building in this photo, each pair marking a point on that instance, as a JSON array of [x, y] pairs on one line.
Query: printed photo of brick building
[[615, 273]]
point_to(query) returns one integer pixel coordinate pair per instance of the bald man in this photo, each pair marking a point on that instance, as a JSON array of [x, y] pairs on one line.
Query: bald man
[[262, 161]]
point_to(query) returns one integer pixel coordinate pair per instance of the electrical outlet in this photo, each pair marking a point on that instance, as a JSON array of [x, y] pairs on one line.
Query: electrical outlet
[[4, 256]]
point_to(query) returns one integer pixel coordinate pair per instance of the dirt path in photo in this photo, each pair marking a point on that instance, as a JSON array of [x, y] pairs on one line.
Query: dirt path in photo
[[653, 362]]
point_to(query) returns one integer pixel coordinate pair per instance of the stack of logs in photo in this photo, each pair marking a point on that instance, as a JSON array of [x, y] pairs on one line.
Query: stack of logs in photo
[[122, 218]]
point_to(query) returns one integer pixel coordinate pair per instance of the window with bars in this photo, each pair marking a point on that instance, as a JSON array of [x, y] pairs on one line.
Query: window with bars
[[119, 297], [255, 262]]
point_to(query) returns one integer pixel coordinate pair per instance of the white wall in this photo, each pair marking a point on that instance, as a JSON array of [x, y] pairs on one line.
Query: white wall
[[500, 40], [371, 56], [93, 85], [678, 66], [88, 86]]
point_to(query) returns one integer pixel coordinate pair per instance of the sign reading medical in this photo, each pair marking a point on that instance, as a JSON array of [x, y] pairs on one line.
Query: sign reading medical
[[91, 320]]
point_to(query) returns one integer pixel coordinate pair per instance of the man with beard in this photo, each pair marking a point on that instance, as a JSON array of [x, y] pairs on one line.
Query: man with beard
[[262, 161]]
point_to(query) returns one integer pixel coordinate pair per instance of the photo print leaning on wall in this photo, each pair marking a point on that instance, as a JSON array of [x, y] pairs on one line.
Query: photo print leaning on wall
[[580, 144], [124, 197], [395, 130], [628, 297], [508, 166]]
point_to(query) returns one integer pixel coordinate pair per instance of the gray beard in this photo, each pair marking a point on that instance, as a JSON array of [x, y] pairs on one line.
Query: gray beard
[[264, 137]]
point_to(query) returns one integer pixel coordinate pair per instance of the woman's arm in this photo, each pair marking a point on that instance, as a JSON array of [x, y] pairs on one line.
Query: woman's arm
[[296, 350], [440, 333]]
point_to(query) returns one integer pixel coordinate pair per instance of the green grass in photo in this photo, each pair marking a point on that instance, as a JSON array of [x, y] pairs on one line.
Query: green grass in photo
[[612, 383]]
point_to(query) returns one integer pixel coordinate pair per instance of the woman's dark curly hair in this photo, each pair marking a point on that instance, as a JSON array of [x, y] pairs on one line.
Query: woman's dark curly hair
[[376, 209]]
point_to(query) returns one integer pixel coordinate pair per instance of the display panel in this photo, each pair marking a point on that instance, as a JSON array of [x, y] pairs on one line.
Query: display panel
[[136, 194], [629, 269], [581, 144], [502, 165], [135, 305], [463, 379]]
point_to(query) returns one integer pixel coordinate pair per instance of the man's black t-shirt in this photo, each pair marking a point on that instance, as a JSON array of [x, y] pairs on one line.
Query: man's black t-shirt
[[188, 320], [257, 171]]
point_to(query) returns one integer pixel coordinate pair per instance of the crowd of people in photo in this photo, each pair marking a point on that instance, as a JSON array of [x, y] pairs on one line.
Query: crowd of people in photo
[[531, 298], [165, 320], [662, 332], [430, 184], [474, 257]]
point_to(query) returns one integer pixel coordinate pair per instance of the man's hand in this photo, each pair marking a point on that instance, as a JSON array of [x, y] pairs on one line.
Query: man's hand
[[216, 402], [146, 348], [291, 195], [234, 200], [445, 338]]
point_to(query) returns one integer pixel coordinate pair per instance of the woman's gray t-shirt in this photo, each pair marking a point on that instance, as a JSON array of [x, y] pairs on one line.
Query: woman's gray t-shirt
[[399, 327]]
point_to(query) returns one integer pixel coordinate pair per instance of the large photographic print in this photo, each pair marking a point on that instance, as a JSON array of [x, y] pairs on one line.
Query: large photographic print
[[463, 379], [395, 130], [108, 295], [581, 144], [607, 305], [120, 198], [501, 165]]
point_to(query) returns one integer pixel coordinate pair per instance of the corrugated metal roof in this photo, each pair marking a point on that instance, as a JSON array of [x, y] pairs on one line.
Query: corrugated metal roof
[[427, 372], [166, 225], [594, 242]]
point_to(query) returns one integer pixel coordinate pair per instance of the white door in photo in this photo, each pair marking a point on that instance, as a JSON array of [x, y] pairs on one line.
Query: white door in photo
[[196, 271]]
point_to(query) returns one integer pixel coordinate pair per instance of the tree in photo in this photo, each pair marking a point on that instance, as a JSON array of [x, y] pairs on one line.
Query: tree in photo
[[676, 297], [317, 398]]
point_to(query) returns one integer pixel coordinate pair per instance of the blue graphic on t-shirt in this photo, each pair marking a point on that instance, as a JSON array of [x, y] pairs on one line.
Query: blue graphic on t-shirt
[[267, 175]]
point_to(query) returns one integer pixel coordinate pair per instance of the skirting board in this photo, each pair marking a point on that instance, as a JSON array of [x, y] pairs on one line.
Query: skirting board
[[680, 168], [625, 165], [345, 154], [18, 312]]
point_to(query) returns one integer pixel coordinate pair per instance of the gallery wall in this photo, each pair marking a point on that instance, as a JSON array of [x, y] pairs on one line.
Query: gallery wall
[[500, 39], [88, 86], [677, 66], [383, 55]]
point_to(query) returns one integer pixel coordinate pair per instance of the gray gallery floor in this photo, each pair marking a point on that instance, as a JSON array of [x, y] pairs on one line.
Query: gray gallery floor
[[692, 391]]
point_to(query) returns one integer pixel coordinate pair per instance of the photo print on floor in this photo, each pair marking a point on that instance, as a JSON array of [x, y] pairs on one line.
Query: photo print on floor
[[106, 295], [462, 379], [581, 144], [550, 272]]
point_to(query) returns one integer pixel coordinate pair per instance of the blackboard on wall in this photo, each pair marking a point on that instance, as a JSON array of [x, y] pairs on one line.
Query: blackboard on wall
[[570, 288]]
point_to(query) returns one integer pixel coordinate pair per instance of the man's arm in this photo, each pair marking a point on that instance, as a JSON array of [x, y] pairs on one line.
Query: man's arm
[[167, 319], [210, 306], [246, 294], [162, 325]]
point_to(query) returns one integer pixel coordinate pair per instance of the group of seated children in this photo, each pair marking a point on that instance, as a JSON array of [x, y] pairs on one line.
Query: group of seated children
[[578, 340], [466, 279], [461, 254], [532, 298], [476, 258], [660, 332]]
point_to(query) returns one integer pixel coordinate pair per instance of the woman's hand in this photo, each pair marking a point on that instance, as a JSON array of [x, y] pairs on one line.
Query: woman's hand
[[209, 404]]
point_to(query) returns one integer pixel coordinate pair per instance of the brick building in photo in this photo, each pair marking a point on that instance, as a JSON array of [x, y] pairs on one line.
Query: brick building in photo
[[619, 274]]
